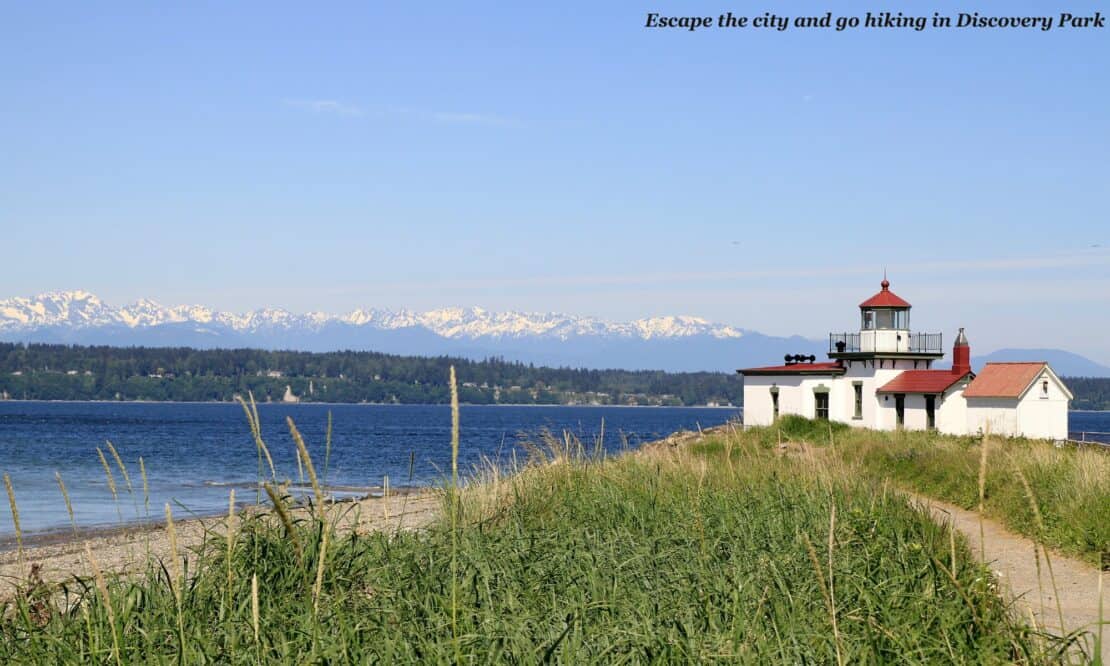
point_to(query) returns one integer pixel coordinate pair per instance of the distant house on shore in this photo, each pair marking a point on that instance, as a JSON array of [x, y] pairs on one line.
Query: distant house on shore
[[289, 395], [882, 377]]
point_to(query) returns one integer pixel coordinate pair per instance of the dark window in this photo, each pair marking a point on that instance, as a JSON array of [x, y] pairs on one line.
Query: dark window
[[821, 405], [858, 386], [775, 403], [930, 412], [885, 319], [900, 409]]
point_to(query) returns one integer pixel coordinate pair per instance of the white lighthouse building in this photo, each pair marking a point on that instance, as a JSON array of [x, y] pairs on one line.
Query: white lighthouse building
[[882, 377]]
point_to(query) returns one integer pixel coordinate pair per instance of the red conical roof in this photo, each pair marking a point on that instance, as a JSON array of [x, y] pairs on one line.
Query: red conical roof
[[885, 298]]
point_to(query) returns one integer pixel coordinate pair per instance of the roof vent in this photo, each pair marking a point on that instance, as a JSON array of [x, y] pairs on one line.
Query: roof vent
[[791, 359]]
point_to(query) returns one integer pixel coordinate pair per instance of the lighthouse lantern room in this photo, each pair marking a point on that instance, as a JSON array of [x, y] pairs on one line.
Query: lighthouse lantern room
[[885, 329]]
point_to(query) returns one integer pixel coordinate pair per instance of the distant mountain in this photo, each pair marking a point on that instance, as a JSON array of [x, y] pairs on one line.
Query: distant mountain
[[1063, 362], [674, 343], [82, 310]]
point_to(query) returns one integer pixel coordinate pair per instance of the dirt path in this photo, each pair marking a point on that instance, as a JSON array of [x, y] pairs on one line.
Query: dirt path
[[1011, 558], [126, 550]]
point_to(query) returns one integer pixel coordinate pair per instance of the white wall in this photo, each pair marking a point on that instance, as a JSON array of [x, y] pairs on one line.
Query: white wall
[[1037, 415], [796, 396], [1044, 415], [952, 411], [998, 416], [885, 340], [878, 413], [915, 412], [758, 408]]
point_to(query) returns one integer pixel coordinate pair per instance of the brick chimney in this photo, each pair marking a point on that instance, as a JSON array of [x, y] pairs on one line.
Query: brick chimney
[[961, 355]]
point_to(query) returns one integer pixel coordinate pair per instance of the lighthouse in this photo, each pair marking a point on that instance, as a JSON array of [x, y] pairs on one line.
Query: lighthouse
[[882, 377]]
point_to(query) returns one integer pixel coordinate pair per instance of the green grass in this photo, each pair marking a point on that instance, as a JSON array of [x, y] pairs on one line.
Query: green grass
[[1072, 486], [660, 557]]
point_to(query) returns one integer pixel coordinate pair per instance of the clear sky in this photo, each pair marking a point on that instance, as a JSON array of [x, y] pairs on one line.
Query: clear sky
[[329, 156]]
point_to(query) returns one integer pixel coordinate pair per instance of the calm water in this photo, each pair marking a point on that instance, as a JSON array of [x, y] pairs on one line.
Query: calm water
[[1097, 423], [195, 452]]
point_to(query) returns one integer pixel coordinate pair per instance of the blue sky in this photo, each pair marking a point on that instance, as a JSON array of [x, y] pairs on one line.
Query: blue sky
[[561, 158]]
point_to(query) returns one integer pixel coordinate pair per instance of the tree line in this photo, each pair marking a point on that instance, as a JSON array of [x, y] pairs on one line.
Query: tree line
[[1089, 392], [71, 372]]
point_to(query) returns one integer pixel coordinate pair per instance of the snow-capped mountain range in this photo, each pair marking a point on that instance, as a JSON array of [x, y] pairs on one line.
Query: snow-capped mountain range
[[662, 343], [677, 343], [82, 310]]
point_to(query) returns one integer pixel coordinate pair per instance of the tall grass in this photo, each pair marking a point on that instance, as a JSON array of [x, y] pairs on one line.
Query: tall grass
[[255, 425], [14, 507], [666, 556], [106, 599], [1072, 485], [69, 504], [1060, 497], [453, 509]]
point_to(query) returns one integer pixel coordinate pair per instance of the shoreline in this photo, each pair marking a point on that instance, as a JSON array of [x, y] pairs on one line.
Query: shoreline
[[136, 526], [366, 404], [62, 531], [59, 555], [354, 404]]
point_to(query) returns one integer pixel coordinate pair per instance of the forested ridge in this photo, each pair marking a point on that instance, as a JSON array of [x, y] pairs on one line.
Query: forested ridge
[[1089, 392], [63, 372]]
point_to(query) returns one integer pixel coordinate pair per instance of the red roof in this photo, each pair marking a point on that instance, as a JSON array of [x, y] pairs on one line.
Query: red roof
[[1004, 380], [830, 368], [885, 298], [922, 381]]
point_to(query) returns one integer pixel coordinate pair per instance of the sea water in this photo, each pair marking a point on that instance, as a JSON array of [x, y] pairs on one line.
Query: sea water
[[195, 453]]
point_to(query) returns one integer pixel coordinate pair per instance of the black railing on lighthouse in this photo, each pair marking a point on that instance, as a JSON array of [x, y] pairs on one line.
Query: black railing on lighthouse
[[927, 343], [918, 343], [843, 342]]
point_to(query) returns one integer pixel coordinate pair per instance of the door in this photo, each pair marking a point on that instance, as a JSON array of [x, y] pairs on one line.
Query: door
[[931, 412], [900, 409]]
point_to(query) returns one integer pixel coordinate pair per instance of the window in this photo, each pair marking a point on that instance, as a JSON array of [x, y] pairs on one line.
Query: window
[[902, 319], [821, 406], [900, 410], [858, 386], [774, 402], [1044, 389], [885, 319]]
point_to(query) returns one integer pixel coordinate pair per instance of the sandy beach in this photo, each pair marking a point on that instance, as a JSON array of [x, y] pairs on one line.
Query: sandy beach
[[60, 556]]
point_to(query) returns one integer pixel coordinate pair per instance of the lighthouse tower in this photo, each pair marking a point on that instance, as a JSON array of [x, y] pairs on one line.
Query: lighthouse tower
[[885, 334]]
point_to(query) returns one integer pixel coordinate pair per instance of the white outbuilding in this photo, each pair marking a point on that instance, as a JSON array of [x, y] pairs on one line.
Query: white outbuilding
[[883, 378], [1025, 399]]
